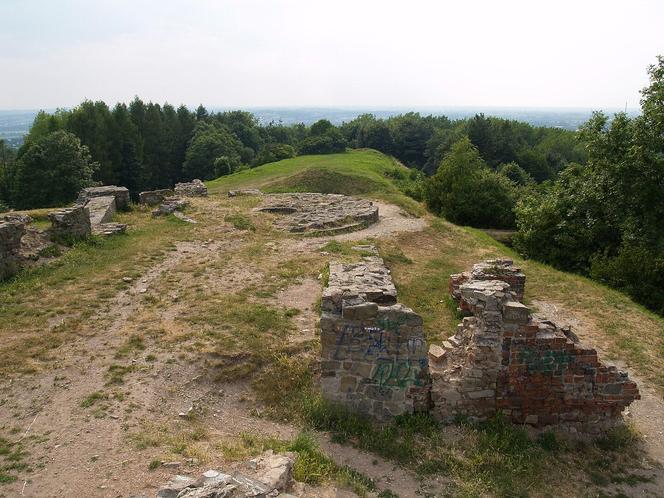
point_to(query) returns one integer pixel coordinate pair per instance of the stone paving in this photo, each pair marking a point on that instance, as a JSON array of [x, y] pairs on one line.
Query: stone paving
[[320, 214]]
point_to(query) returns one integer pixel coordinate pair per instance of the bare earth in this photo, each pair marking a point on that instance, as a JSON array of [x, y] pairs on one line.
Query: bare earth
[[92, 451]]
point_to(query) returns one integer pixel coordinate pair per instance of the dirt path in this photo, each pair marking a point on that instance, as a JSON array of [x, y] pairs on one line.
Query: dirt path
[[77, 425]]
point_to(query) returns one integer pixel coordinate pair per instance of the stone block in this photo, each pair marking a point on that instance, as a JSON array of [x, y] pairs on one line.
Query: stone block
[[70, 223]]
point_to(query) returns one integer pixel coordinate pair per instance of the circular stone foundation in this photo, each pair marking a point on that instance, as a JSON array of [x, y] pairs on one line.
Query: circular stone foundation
[[320, 214]]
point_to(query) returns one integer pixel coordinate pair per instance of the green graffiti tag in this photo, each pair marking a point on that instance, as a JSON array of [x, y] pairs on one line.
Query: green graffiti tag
[[545, 361]]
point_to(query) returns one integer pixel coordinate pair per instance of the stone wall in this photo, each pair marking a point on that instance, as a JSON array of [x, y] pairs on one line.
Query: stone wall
[[154, 197], [502, 358], [194, 188], [121, 195], [11, 233], [101, 209], [70, 223], [374, 353]]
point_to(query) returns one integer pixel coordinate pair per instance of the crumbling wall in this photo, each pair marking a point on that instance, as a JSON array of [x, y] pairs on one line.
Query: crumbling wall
[[374, 353], [121, 195], [154, 197], [101, 209], [504, 359], [11, 233], [194, 188], [70, 223]]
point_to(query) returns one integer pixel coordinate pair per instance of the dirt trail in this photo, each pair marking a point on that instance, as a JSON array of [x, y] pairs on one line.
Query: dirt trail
[[76, 450]]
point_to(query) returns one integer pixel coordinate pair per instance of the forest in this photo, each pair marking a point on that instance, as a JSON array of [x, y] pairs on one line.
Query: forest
[[590, 201]]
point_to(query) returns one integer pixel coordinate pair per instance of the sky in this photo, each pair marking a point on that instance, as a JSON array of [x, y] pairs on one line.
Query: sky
[[359, 53]]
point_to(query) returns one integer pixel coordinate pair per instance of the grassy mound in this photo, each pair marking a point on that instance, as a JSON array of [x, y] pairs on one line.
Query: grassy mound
[[358, 172]]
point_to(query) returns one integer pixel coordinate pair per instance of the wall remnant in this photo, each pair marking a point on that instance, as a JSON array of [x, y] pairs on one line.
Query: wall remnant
[[504, 359], [154, 197], [170, 206], [11, 232], [320, 214], [374, 353], [71, 223], [194, 188], [101, 209], [121, 195], [243, 192]]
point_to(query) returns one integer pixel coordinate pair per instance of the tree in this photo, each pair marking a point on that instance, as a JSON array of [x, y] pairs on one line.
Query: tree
[[210, 141], [465, 191], [51, 171], [274, 152], [320, 128], [607, 219], [411, 133], [516, 174], [328, 143]]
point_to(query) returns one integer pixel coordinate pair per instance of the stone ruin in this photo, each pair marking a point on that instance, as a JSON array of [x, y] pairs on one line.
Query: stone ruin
[[102, 204], [11, 232], [194, 188], [244, 192], [121, 195], [154, 197], [171, 205], [374, 353], [70, 223], [320, 214], [502, 358]]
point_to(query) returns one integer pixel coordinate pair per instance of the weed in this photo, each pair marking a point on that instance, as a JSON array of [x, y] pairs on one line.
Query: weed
[[154, 464], [240, 221], [91, 399]]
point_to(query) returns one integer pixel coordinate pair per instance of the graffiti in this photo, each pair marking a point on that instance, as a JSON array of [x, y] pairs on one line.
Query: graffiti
[[372, 342], [396, 373], [545, 361]]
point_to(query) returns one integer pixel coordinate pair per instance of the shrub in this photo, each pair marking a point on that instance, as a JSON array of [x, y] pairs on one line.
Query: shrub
[[465, 191]]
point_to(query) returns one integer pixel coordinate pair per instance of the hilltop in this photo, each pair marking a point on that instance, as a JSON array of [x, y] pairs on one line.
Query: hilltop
[[198, 344]]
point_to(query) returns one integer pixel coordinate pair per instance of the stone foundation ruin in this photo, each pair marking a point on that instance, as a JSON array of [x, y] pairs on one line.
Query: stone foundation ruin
[[154, 197], [502, 358], [374, 353], [121, 195], [70, 223], [11, 232], [194, 188], [320, 214]]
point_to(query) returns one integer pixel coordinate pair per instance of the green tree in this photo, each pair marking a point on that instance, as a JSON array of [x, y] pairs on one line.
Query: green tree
[[51, 171], [516, 174], [465, 191], [274, 152], [210, 141]]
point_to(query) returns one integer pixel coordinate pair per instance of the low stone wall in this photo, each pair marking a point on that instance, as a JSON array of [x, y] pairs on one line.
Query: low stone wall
[[194, 188], [320, 214], [374, 353], [169, 206], [101, 209], [71, 223], [121, 195], [11, 233], [154, 197], [504, 359]]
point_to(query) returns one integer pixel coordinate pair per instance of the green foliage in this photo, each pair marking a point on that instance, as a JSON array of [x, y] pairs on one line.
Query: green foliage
[[516, 174], [51, 170], [607, 219], [274, 152], [465, 191], [209, 143], [328, 142]]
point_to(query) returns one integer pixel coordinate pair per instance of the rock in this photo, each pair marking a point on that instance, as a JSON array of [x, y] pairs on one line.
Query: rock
[[11, 233], [320, 214], [107, 229], [127, 279], [194, 188], [169, 206], [173, 488], [121, 195], [101, 209], [250, 191], [70, 223], [171, 465], [154, 197]]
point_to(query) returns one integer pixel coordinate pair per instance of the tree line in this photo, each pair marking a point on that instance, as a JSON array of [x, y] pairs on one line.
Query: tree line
[[590, 201]]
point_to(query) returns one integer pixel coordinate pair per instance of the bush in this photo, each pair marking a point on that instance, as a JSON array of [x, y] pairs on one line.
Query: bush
[[274, 152], [465, 191], [330, 142]]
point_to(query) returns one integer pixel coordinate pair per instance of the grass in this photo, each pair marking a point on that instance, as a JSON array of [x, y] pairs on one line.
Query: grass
[[357, 172], [240, 221], [12, 460]]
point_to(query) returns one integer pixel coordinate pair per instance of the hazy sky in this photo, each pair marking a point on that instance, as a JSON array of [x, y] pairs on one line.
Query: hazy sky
[[582, 53]]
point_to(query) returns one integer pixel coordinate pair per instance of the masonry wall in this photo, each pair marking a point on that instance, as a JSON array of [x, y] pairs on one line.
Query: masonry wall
[[374, 353], [504, 359]]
